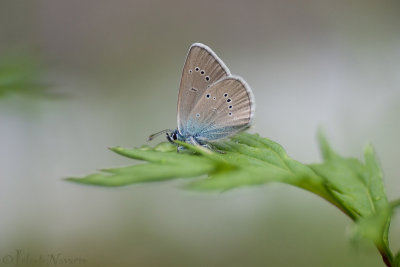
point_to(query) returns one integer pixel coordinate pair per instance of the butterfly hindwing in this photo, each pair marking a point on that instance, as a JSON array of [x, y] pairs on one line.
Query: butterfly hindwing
[[224, 109]]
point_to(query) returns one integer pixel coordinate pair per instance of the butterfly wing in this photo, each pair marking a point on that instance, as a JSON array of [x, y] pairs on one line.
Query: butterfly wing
[[223, 110], [202, 68]]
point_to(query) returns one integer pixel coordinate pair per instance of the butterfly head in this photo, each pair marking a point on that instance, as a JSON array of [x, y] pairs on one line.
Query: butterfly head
[[175, 135]]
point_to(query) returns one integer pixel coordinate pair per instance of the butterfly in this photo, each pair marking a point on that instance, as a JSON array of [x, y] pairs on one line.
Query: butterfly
[[212, 103]]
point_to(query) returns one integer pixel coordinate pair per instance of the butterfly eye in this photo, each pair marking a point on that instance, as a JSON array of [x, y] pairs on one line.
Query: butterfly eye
[[174, 137]]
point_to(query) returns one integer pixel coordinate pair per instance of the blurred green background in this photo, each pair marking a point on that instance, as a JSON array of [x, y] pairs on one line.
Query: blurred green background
[[117, 66]]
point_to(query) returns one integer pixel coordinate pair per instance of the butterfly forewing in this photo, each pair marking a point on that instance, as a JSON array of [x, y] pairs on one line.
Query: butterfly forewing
[[202, 68], [224, 109]]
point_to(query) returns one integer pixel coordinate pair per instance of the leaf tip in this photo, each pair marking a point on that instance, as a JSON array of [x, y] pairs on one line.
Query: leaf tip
[[326, 149], [369, 149], [71, 179], [116, 148]]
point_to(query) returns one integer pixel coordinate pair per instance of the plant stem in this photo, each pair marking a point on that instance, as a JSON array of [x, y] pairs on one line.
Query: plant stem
[[385, 252], [387, 256]]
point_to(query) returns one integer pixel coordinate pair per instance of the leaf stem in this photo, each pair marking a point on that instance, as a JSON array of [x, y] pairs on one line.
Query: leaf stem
[[395, 203], [387, 256]]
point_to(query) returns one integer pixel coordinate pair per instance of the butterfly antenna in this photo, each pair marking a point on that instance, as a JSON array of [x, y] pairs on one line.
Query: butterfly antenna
[[151, 137]]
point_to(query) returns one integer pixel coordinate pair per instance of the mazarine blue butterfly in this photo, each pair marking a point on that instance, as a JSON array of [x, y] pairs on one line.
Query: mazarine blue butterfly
[[212, 103]]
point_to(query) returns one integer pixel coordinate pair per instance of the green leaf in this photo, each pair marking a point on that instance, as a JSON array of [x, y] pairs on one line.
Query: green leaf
[[355, 187], [246, 160], [162, 166], [19, 73], [374, 227], [256, 160], [397, 260], [359, 189]]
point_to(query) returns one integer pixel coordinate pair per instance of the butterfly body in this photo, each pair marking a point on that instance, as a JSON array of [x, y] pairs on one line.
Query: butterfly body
[[212, 103]]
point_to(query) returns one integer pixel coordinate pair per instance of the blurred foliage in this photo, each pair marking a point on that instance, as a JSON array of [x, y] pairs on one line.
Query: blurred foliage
[[19, 73], [353, 186]]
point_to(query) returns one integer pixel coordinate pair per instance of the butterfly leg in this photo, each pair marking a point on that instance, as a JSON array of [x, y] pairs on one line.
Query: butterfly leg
[[207, 146], [193, 141]]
